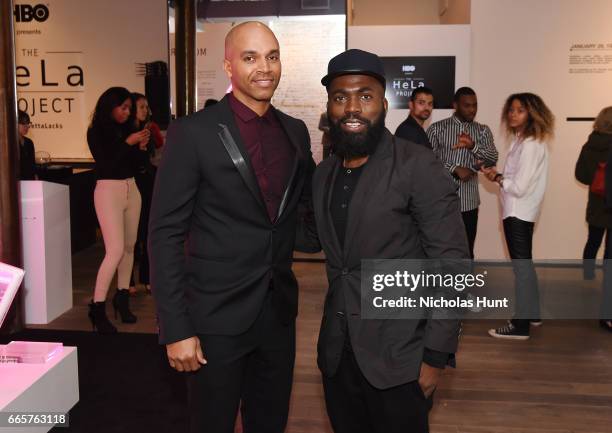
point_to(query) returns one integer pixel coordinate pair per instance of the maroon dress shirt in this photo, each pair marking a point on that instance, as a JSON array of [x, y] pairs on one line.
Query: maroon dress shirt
[[272, 154]]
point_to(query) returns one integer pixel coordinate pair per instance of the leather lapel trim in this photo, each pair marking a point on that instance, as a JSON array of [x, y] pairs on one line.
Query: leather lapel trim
[[241, 165], [283, 203]]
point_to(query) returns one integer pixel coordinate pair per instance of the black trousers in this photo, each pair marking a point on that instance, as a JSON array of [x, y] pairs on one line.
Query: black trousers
[[470, 221], [519, 238], [253, 371], [355, 406], [596, 235], [144, 182]]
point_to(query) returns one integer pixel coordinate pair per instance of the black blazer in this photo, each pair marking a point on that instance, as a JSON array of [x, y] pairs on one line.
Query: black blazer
[[405, 206], [212, 246], [410, 130]]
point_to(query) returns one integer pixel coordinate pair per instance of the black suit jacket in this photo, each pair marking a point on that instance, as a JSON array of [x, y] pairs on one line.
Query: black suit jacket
[[212, 246], [410, 130], [405, 206]]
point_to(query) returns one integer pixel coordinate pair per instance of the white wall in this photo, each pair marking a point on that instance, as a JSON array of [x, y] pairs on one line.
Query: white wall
[[106, 40], [524, 45]]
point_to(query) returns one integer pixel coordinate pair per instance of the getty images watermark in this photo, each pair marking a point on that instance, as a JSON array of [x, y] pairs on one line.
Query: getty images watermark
[[405, 280], [416, 289], [458, 289]]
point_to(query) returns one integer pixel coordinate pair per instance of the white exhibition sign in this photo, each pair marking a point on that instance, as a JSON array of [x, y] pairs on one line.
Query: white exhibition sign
[[69, 51]]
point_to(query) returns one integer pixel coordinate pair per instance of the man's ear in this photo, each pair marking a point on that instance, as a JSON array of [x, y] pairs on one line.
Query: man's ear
[[410, 105], [227, 67], [454, 106], [386, 105]]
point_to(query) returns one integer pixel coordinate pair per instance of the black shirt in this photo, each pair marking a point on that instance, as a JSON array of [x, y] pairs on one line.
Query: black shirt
[[346, 182], [410, 130], [115, 159], [26, 160]]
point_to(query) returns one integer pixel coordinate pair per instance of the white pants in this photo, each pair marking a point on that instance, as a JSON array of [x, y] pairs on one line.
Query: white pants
[[117, 205]]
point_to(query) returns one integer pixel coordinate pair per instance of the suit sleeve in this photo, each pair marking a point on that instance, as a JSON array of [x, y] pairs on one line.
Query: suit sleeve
[[306, 238], [176, 185], [435, 206]]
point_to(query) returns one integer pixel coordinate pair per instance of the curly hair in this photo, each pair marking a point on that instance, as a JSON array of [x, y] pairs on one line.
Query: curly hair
[[540, 120]]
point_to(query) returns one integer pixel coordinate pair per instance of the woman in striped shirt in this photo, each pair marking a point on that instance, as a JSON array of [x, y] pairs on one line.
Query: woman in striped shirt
[[529, 123]]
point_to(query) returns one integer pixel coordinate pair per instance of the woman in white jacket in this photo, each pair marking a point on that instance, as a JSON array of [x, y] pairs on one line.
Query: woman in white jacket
[[529, 123]]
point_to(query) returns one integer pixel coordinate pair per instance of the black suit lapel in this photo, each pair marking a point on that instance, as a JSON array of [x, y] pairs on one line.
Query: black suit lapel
[[327, 198], [373, 171], [295, 141], [230, 137]]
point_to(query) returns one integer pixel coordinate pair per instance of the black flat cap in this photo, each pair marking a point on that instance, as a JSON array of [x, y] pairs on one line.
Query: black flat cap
[[355, 62]]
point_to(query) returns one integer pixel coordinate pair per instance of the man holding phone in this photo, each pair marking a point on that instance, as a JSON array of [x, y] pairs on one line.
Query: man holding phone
[[464, 146]]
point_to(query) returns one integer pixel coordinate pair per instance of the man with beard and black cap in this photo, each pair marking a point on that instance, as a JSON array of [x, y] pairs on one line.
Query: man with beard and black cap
[[378, 198]]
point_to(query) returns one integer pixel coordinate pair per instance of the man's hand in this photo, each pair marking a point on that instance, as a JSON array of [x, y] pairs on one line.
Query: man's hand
[[464, 173], [464, 141], [428, 379], [185, 355]]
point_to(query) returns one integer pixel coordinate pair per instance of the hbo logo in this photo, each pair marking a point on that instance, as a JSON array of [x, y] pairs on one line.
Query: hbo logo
[[27, 13]]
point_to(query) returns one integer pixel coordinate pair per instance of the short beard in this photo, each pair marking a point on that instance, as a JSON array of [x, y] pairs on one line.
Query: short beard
[[349, 145], [423, 118]]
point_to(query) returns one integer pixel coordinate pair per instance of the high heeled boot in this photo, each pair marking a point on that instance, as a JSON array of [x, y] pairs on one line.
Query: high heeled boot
[[99, 321], [121, 304]]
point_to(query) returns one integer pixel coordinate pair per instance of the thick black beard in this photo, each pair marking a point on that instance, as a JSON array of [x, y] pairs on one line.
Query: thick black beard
[[349, 145]]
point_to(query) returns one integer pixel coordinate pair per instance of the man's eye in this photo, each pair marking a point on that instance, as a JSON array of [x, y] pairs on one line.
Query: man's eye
[[249, 58], [339, 98], [366, 97], [273, 58]]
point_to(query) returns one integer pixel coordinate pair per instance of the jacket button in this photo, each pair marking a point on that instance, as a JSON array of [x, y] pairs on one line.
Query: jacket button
[[344, 271], [339, 314]]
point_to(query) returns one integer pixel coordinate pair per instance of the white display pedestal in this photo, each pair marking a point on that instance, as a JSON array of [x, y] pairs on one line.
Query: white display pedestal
[[49, 387], [47, 261]]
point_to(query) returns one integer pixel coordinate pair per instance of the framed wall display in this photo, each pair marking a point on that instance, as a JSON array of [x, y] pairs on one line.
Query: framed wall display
[[406, 74]]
